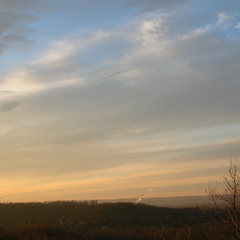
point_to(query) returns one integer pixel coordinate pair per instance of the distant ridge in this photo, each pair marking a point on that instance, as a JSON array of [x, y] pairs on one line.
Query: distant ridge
[[180, 201]]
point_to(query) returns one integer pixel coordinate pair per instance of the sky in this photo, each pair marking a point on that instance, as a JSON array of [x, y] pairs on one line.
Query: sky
[[103, 99]]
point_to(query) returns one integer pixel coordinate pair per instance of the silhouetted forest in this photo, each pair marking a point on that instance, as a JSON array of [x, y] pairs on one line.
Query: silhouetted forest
[[105, 221]]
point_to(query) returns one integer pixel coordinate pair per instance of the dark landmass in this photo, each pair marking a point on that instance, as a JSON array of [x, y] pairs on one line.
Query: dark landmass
[[90, 220]]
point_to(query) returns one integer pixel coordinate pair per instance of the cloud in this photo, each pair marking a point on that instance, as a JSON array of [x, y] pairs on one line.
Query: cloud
[[162, 83], [6, 92], [8, 106], [109, 76], [237, 25], [152, 5], [62, 64], [16, 20], [222, 18], [217, 151], [226, 20]]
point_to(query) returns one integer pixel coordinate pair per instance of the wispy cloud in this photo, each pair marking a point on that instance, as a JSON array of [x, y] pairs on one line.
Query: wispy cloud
[[237, 25], [8, 106], [225, 20], [15, 22]]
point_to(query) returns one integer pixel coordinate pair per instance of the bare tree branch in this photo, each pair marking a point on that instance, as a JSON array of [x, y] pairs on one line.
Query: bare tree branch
[[226, 202]]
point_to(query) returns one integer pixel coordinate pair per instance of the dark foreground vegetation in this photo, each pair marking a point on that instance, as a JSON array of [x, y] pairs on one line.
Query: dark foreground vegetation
[[106, 221]]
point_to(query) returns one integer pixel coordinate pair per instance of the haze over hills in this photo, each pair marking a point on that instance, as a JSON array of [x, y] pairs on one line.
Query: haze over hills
[[179, 201]]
